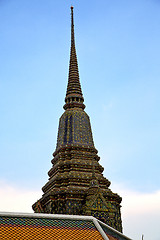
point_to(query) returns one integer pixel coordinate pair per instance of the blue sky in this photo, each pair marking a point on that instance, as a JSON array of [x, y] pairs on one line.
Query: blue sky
[[119, 63]]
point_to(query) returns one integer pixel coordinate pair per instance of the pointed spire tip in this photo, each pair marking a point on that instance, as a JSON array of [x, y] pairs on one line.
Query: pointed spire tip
[[74, 96]]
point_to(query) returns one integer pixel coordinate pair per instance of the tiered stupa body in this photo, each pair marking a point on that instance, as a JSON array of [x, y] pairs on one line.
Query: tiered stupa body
[[76, 184]]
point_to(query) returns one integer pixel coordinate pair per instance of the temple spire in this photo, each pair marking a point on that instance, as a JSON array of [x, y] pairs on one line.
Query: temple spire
[[74, 96], [76, 185]]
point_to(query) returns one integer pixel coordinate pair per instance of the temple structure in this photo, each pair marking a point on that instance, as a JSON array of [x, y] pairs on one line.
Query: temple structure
[[76, 185]]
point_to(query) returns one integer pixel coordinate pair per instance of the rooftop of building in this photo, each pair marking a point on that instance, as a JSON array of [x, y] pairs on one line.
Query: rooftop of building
[[55, 226]]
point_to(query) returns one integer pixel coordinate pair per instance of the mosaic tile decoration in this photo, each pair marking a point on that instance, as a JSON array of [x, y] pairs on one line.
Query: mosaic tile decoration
[[26, 228], [74, 128]]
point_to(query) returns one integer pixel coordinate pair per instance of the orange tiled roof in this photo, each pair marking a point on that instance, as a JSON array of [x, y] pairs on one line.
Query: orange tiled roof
[[15, 226], [32, 228], [39, 233]]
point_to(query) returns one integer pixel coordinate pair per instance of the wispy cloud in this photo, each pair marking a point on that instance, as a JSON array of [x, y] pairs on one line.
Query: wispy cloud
[[108, 106], [140, 212], [14, 199]]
